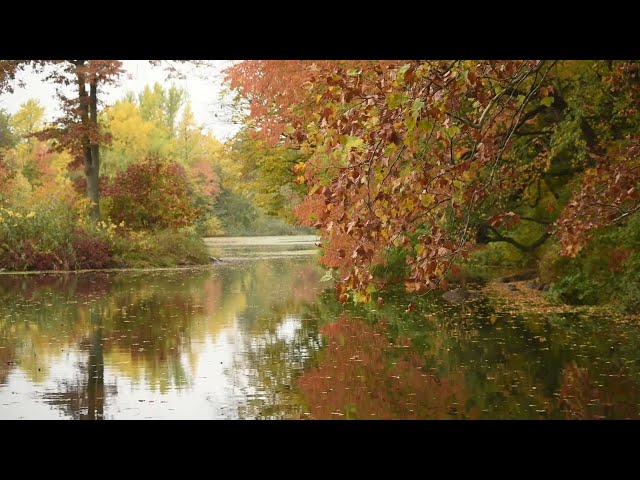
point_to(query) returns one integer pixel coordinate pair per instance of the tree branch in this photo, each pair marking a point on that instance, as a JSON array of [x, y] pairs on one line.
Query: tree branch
[[523, 248]]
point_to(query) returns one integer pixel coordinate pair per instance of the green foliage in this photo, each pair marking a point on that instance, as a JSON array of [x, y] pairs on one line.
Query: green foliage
[[396, 265], [210, 227], [499, 254], [161, 106], [235, 211], [578, 289], [50, 223], [240, 217], [163, 248], [629, 295], [607, 270], [269, 225], [266, 172], [8, 137]]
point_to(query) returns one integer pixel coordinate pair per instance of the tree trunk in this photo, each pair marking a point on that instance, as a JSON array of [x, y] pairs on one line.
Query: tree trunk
[[93, 188], [89, 120]]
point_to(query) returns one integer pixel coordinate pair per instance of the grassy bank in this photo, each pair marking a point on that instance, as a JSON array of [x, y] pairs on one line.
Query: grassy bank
[[55, 237]]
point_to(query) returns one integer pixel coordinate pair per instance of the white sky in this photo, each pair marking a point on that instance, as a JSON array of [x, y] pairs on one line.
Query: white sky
[[203, 86]]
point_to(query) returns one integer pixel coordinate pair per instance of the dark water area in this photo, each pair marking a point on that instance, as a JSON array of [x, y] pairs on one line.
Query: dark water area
[[261, 337]]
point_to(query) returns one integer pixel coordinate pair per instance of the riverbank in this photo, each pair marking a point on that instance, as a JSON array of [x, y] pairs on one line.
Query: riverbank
[[110, 270], [519, 297], [102, 247], [195, 254]]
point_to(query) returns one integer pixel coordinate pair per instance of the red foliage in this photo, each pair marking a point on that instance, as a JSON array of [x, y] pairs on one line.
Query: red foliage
[[80, 185], [422, 156], [90, 252], [152, 194], [84, 253], [75, 130], [362, 375], [27, 256], [395, 150], [276, 89], [205, 179], [607, 195]]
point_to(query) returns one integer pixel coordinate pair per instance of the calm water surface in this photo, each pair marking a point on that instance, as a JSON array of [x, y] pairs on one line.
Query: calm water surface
[[260, 336]]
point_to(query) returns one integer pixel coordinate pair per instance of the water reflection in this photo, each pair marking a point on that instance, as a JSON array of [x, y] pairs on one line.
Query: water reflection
[[145, 345], [478, 360], [362, 374], [260, 338]]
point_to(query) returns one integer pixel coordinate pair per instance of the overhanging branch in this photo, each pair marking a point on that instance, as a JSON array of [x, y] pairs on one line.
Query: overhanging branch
[[498, 237]]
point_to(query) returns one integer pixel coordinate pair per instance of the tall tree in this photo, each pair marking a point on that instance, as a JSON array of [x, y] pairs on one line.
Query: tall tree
[[8, 137], [77, 130], [28, 119], [429, 157]]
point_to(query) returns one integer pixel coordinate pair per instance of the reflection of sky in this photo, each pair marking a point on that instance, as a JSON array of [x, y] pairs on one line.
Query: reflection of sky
[[218, 379], [21, 398], [210, 393], [287, 329]]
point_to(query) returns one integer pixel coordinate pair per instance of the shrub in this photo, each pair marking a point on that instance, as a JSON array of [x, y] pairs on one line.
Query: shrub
[[153, 195], [607, 270], [28, 255], [577, 289], [164, 248], [629, 294], [90, 252]]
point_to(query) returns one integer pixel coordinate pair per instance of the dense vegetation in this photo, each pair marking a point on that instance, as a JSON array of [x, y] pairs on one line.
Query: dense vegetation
[[415, 168], [409, 170], [135, 184]]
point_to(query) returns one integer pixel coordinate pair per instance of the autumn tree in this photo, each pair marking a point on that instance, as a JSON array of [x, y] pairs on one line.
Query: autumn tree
[[152, 194], [77, 130], [431, 157], [162, 106], [266, 171]]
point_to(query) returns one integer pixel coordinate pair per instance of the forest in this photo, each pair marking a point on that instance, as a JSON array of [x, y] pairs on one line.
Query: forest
[[422, 174], [136, 184]]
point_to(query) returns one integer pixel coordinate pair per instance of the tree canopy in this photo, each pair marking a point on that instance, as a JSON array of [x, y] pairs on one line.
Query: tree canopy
[[429, 158]]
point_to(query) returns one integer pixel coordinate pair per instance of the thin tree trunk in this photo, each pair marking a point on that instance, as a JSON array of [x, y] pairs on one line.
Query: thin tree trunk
[[89, 116], [93, 188]]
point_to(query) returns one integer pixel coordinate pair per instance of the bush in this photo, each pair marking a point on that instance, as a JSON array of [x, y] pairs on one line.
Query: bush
[[165, 248], [629, 294], [28, 256], [607, 270], [90, 252], [56, 235], [577, 289], [50, 224], [153, 195]]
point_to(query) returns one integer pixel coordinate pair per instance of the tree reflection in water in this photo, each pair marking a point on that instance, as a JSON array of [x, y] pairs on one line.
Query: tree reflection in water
[[266, 339], [364, 374]]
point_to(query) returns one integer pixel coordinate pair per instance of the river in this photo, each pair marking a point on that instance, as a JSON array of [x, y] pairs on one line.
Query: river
[[259, 335]]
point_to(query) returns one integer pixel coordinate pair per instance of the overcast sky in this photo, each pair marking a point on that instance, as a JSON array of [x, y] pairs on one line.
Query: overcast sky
[[203, 85]]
